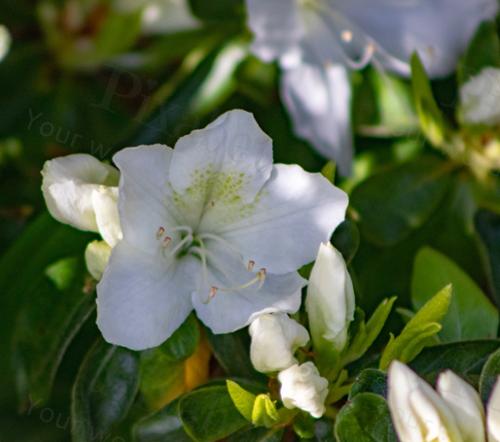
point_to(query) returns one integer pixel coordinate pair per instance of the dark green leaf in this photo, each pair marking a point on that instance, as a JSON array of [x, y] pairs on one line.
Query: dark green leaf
[[184, 340], [489, 375], [369, 380], [208, 414], [365, 419], [257, 435], [471, 314], [393, 203], [219, 10], [346, 240], [163, 426], [464, 358], [104, 391]]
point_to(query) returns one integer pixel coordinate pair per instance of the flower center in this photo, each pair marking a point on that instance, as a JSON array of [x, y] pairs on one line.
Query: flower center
[[191, 243]]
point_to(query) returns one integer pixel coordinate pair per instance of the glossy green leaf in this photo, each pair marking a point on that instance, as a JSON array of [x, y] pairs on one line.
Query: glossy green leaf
[[464, 358], [431, 118], [471, 314], [183, 341], [369, 380], [365, 419], [242, 399], [104, 391], [258, 435], [395, 202], [419, 331], [489, 375], [219, 10], [264, 413], [346, 240], [208, 414], [163, 426]]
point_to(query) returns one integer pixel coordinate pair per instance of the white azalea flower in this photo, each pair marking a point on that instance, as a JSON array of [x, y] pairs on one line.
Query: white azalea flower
[[81, 191], [97, 256], [164, 16], [275, 338], [330, 301], [480, 98], [493, 413], [420, 414], [323, 38], [302, 387], [214, 226]]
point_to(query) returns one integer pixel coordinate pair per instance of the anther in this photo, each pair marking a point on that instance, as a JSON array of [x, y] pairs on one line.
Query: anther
[[346, 36], [160, 232], [166, 241], [251, 265], [213, 292], [261, 275]]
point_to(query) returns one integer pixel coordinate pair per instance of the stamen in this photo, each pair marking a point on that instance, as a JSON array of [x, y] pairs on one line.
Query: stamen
[[227, 245], [160, 232], [166, 241], [346, 36], [180, 245], [259, 278], [251, 265]]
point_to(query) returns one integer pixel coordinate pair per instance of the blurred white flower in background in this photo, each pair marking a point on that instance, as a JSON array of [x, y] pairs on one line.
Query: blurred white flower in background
[[480, 98], [318, 41], [211, 225], [275, 338], [5, 41], [454, 413], [302, 387]]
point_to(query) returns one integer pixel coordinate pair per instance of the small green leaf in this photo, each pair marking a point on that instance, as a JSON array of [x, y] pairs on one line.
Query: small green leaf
[[242, 399], [419, 331], [183, 341], [62, 273], [395, 202], [258, 435], [365, 419], [208, 414], [431, 118], [489, 375], [104, 391], [264, 413], [471, 314], [369, 380], [163, 426]]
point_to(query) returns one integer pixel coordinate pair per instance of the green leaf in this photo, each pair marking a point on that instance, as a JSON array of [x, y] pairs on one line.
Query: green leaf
[[419, 330], [488, 227], [346, 240], [242, 399], [489, 375], [163, 426], [431, 118], [47, 324], [367, 333], [471, 314], [393, 203], [264, 413], [208, 414], [464, 358], [183, 341], [369, 380], [365, 419], [220, 10], [258, 435], [483, 51], [104, 391]]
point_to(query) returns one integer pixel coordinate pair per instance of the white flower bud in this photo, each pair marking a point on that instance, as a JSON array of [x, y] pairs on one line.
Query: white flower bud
[[465, 404], [480, 98], [302, 387], [418, 412], [493, 414], [275, 337], [79, 191], [97, 256], [330, 300], [5, 41]]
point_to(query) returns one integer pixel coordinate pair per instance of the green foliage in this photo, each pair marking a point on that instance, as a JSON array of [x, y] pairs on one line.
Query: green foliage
[[104, 391], [489, 375], [369, 380], [365, 419], [471, 315], [419, 332], [208, 414], [183, 341]]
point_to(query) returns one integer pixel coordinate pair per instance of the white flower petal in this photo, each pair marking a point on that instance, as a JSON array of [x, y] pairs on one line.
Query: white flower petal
[[302, 387], [144, 192], [230, 157], [330, 300], [295, 212], [465, 404], [319, 102], [105, 203], [232, 307], [165, 16], [140, 301], [438, 29], [493, 413], [276, 25], [68, 184], [97, 256], [275, 338]]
